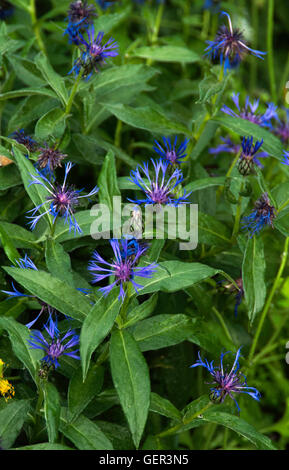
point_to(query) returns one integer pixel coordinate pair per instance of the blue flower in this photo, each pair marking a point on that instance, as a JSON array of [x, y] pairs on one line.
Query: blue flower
[[249, 111], [263, 215], [123, 267], [248, 156], [227, 146], [74, 30], [62, 200], [229, 46], [163, 188], [56, 345], [286, 158], [24, 139], [93, 53], [226, 383], [170, 152]]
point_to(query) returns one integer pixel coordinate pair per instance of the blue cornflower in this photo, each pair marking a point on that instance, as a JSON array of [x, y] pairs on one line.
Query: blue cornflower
[[55, 346], [74, 30], [62, 200], [169, 152], [24, 139], [249, 111], [263, 215], [94, 53], [229, 46], [123, 267], [286, 158], [6, 10], [226, 383], [227, 146], [248, 156], [161, 189]]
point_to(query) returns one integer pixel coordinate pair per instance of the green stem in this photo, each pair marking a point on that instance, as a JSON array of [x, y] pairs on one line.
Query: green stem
[[238, 215], [284, 78], [206, 24], [221, 320], [35, 25], [270, 297], [156, 28], [185, 422], [228, 174], [255, 27], [73, 93], [117, 136], [270, 50]]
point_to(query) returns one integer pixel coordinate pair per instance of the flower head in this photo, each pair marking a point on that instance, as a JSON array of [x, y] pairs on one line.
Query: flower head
[[24, 139], [263, 214], [169, 152], [161, 189], [249, 111], [80, 10], [239, 294], [230, 46], [227, 146], [6, 389], [123, 267], [94, 53], [248, 156], [49, 159], [61, 200], [56, 345], [226, 383]]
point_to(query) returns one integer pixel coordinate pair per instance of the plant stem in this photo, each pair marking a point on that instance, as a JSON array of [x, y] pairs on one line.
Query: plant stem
[[156, 28], [36, 29], [73, 93], [117, 136], [238, 215], [284, 257], [221, 320], [255, 26], [270, 50]]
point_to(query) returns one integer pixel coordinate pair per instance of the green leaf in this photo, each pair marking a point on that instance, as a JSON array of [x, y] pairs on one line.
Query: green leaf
[[51, 124], [84, 434], [205, 183], [9, 177], [27, 92], [84, 220], [20, 237], [161, 331], [109, 21], [19, 336], [243, 127], [58, 261], [253, 272], [164, 407], [97, 326], [80, 393], [12, 418], [211, 231], [130, 376], [241, 427], [53, 291], [172, 276], [8, 246], [44, 446], [107, 181], [55, 81], [51, 411], [141, 311], [26, 70], [146, 118], [203, 141], [167, 54]]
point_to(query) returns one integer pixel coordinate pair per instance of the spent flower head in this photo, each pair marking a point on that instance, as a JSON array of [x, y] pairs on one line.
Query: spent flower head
[[263, 214], [61, 201], [123, 267], [49, 159], [229, 46], [227, 382], [24, 139]]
